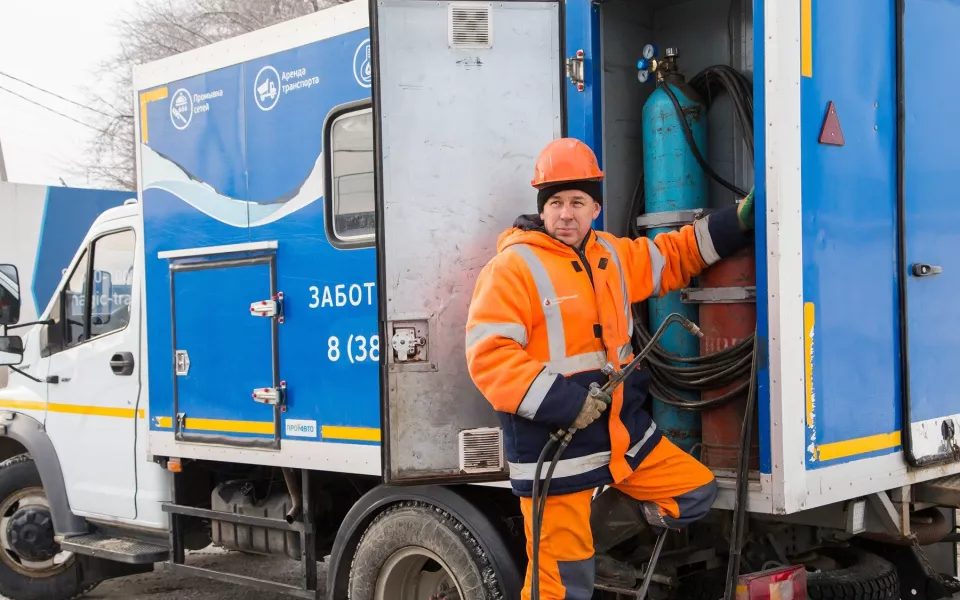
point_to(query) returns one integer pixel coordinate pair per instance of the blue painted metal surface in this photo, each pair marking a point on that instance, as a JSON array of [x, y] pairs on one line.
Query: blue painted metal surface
[[230, 350], [249, 165], [584, 108], [760, 209], [849, 229], [673, 180], [931, 173]]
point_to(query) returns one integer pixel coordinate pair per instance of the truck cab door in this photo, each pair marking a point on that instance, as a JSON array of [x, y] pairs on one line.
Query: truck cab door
[[466, 94], [93, 377]]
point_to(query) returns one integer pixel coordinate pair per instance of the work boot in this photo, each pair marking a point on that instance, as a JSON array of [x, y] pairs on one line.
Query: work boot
[[615, 573], [615, 518]]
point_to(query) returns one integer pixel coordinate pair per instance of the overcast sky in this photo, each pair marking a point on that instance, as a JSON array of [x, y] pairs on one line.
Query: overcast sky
[[56, 45]]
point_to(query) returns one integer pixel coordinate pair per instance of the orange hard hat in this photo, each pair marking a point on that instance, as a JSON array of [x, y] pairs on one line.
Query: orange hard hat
[[563, 160]]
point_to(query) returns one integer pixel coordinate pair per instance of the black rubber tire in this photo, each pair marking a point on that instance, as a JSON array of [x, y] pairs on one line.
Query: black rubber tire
[[421, 525], [16, 474], [865, 576]]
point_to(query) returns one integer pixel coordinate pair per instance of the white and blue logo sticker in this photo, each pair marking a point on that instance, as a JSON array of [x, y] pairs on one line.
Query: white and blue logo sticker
[[266, 88], [300, 428], [181, 109], [362, 69]]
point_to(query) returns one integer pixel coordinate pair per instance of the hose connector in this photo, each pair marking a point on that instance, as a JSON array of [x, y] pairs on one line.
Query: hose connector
[[691, 327]]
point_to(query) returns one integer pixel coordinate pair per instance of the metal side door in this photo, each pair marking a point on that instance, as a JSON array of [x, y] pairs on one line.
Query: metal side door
[[466, 94], [930, 221], [226, 384]]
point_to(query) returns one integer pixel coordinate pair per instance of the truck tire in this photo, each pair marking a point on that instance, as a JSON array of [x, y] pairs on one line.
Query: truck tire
[[26, 525], [863, 576], [414, 551]]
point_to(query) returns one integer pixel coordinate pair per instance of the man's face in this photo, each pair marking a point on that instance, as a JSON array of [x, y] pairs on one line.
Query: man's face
[[568, 216]]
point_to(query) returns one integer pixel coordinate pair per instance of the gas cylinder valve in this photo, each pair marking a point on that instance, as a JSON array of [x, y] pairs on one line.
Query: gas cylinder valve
[[649, 64]]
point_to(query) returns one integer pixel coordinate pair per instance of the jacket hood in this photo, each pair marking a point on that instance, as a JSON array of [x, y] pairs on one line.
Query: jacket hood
[[529, 229]]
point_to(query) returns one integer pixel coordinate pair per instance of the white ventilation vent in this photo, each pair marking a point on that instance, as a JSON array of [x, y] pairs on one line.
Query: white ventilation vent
[[481, 450], [470, 25]]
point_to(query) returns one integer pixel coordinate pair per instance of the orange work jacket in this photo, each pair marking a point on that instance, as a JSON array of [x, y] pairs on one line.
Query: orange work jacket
[[546, 317]]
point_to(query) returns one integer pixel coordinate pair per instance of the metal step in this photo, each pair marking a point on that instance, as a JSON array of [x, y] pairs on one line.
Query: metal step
[[944, 491], [125, 550]]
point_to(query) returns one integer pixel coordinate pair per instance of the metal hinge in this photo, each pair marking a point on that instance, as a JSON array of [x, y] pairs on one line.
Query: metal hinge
[[269, 308], [273, 396], [575, 70]]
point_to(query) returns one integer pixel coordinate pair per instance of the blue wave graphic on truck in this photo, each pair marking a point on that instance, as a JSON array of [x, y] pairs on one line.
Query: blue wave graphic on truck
[[161, 173]]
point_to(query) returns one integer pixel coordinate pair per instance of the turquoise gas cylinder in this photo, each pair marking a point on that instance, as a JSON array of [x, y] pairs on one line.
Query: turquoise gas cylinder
[[674, 186]]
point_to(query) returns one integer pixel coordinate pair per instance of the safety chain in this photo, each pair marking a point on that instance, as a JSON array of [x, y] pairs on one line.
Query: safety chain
[[951, 585]]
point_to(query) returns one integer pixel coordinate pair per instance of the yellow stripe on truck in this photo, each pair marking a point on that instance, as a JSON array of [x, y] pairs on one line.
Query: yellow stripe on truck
[[219, 425], [848, 448], [330, 432], [73, 409], [355, 434]]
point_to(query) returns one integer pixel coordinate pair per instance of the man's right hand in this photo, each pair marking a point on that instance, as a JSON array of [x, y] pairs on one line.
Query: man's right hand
[[590, 412]]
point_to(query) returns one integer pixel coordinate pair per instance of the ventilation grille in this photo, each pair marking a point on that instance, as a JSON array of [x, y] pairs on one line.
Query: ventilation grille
[[481, 450], [470, 26]]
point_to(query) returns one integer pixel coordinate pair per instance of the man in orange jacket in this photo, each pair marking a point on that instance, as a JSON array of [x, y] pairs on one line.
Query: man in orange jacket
[[548, 312]]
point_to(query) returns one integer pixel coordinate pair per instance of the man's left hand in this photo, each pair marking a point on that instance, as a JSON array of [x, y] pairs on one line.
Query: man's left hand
[[745, 212]]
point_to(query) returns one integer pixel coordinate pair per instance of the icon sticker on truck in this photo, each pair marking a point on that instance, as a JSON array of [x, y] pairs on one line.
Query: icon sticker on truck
[[266, 88], [181, 109], [298, 428], [362, 70]]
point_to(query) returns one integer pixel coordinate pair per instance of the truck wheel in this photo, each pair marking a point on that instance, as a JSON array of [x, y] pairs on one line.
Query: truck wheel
[[414, 551], [32, 566], [857, 575]]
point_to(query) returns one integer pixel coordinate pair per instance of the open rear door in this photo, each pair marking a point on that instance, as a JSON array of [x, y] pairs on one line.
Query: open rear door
[[465, 96], [930, 213]]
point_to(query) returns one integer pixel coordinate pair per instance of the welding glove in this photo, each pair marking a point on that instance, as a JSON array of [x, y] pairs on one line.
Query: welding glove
[[745, 212], [590, 412]]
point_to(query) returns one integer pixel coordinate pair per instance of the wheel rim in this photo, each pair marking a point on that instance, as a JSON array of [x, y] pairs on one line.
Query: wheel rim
[[415, 573], [32, 497]]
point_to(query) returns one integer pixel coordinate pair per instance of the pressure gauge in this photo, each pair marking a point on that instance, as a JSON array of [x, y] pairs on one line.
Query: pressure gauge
[[649, 51], [643, 76]]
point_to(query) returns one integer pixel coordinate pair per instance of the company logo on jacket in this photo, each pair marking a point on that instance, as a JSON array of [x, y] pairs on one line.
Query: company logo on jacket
[[559, 300]]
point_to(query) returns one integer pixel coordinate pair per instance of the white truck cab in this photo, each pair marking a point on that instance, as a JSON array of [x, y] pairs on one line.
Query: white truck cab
[[73, 402]]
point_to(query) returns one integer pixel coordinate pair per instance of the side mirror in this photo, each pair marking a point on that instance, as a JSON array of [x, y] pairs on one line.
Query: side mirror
[[9, 295], [11, 350]]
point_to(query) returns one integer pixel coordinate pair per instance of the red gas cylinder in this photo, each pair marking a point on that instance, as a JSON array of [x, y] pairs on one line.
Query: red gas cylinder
[[723, 325]]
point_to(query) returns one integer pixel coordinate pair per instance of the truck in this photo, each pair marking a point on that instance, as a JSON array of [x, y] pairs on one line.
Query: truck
[[266, 350]]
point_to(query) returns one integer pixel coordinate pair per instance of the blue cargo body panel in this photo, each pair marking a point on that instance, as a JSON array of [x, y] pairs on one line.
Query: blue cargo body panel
[[931, 212], [232, 158], [214, 387], [851, 307]]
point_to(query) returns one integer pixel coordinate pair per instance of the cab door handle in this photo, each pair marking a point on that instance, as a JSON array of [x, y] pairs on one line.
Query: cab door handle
[[122, 363]]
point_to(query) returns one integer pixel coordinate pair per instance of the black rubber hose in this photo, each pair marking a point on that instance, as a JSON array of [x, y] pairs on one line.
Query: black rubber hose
[[743, 475], [537, 516], [696, 151]]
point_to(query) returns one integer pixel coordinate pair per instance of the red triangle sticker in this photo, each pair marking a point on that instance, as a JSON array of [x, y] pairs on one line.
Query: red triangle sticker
[[831, 133]]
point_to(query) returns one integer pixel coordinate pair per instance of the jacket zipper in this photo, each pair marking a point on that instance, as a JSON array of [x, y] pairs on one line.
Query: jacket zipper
[[586, 265]]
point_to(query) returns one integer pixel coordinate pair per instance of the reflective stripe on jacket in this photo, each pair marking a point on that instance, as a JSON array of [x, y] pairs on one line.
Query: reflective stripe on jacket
[[546, 317]]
